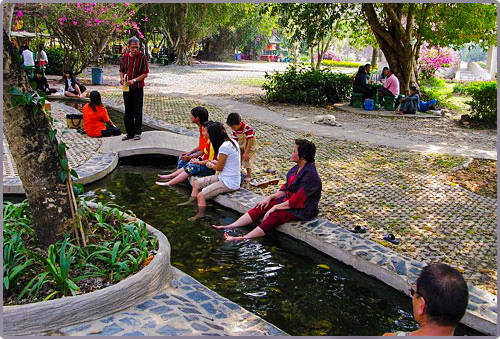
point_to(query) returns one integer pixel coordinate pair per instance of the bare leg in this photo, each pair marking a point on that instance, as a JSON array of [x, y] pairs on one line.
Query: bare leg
[[255, 233], [244, 220], [69, 94], [179, 178], [248, 177], [194, 194], [202, 206], [171, 175]]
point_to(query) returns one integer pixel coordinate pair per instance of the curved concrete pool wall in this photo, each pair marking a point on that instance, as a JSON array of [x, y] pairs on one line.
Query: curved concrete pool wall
[[364, 255], [53, 314]]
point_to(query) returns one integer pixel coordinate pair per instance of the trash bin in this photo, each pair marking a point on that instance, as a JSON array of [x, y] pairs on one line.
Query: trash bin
[[96, 76], [368, 105]]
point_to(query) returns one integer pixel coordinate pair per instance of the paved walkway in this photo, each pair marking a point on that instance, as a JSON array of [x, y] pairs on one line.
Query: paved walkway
[[185, 308]]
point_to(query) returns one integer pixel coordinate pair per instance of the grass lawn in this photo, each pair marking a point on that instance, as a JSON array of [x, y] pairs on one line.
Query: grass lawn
[[448, 99]]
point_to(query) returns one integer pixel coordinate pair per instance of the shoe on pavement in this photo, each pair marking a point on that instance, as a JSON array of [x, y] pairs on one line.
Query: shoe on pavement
[[137, 137], [127, 137]]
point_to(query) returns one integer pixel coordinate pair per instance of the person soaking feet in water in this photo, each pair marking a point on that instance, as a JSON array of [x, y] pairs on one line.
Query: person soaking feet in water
[[297, 199], [228, 166], [195, 166]]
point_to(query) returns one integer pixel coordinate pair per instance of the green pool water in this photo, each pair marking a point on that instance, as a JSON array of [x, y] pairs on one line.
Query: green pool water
[[285, 281]]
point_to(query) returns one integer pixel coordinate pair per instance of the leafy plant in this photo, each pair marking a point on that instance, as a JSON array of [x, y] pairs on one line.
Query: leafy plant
[[56, 58], [484, 101], [305, 86], [459, 88]]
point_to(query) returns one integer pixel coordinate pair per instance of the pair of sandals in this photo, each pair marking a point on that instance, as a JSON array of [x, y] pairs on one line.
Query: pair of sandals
[[389, 237], [128, 137]]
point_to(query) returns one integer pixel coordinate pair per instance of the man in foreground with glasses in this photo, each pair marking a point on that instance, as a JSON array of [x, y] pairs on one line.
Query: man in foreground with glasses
[[134, 68], [439, 301]]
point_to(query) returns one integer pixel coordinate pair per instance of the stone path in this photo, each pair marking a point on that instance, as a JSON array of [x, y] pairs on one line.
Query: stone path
[[239, 82], [185, 308]]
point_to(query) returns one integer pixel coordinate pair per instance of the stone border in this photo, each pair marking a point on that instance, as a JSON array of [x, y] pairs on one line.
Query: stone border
[[54, 314], [368, 257], [94, 169]]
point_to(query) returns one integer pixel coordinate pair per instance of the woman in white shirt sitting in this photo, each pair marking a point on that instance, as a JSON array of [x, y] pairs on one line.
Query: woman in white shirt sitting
[[227, 177]]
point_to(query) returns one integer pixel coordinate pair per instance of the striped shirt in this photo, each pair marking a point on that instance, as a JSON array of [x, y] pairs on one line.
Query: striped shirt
[[135, 66], [244, 132]]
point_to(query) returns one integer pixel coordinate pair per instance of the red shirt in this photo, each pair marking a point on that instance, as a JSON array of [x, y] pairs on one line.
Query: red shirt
[[202, 142], [94, 122], [134, 67]]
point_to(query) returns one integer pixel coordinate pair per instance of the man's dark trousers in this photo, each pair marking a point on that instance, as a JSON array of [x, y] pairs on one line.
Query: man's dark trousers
[[133, 100]]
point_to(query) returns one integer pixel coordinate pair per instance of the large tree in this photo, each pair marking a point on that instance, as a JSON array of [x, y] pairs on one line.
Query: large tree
[[402, 28], [185, 24], [316, 24], [36, 152]]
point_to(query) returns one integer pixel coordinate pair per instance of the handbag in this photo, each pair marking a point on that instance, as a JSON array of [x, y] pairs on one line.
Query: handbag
[[82, 88], [74, 120]]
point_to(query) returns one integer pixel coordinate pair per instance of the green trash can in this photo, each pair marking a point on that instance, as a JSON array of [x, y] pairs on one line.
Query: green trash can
[[357, 100], [389, 103], [96, 76]]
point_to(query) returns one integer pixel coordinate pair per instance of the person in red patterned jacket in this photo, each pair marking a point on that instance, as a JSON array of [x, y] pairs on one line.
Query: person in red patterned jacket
[[134, 68], [297, 199]]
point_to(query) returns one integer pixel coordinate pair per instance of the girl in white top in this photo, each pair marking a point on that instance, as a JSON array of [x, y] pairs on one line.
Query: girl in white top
[[227, 177]]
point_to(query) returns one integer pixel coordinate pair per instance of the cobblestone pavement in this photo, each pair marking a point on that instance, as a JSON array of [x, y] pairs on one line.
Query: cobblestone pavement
[[187, 308], [384, 189], [70, 137], [241, 82]]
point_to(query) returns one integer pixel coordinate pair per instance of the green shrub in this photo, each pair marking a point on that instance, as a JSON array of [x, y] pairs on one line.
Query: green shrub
[[459, 88], [435, 82], [484, 101], [334, 63], [56, 61], [306, 86]]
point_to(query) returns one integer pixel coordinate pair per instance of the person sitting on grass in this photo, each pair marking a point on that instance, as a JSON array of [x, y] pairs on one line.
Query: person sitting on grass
[[198, 116], [245, 136], [297, 199], [410, 104], [71, 86], [228, 166], [195, 166], [96, 121], [41, 83], [439, 301]]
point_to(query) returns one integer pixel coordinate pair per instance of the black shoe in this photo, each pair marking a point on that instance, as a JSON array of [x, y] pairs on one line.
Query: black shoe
[[127, 137]]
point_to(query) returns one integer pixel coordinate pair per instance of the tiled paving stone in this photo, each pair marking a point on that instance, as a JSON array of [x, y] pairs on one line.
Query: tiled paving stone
[[222, 317], [383, 189]]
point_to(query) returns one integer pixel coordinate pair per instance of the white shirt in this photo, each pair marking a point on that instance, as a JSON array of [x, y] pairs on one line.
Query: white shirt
[[230, 174], [42, 56], [70, 88], [28, 58]]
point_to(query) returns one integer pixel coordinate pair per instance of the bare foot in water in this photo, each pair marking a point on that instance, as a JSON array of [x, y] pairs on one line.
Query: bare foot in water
[[195, 218], [230, 238], [221, 226]]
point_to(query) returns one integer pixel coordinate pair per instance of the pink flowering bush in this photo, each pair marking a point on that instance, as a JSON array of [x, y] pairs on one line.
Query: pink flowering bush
[[432, 59], [85, 29], [327, 56]]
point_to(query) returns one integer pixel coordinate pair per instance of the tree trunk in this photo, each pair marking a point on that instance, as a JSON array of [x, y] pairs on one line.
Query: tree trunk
[[35, 156], [311, 51], [375, 54], [8, 13], [395, 43]]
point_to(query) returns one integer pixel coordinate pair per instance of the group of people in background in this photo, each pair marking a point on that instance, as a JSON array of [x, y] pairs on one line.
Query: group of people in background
[[390, 88]]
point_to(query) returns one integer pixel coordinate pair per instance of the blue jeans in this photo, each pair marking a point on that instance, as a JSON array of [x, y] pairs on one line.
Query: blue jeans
[[198, 170], [424, 106]]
